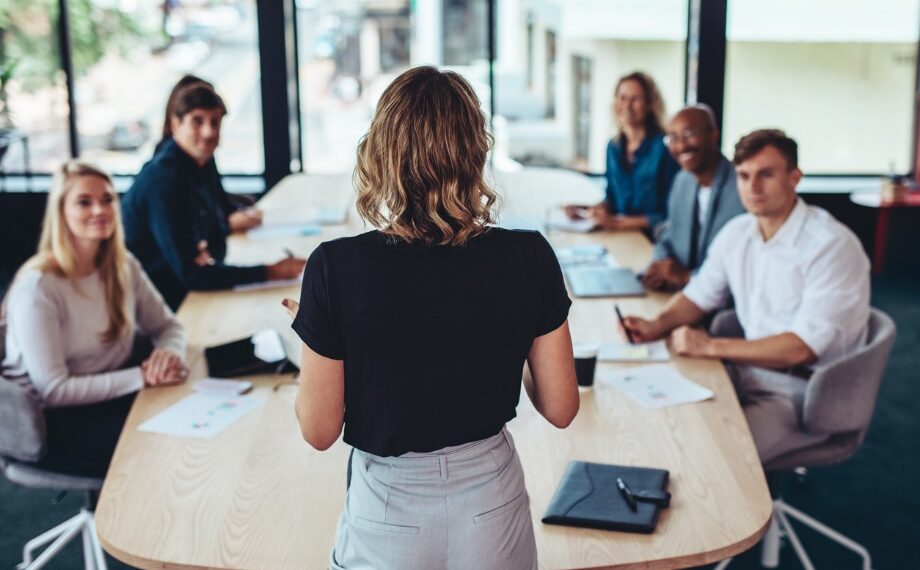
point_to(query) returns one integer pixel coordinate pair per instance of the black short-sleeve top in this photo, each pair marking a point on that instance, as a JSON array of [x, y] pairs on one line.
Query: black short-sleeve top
[[434, 338]]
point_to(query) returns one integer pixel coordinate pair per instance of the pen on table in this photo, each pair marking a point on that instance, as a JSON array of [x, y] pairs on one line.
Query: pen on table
[[289, 253], [629, 335], [627, 493]]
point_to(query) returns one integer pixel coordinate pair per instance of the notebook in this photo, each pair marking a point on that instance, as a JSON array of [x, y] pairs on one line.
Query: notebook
[[600, 281], [588, 497]]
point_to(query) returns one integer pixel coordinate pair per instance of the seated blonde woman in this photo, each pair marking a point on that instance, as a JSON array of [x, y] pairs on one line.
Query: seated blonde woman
[[415, 336], [73, 312]]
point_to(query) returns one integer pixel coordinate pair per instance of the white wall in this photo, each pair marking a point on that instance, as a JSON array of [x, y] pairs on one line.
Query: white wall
[[849, 106]]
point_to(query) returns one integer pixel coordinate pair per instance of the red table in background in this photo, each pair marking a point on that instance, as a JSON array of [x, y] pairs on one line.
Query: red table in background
[[882, 219]]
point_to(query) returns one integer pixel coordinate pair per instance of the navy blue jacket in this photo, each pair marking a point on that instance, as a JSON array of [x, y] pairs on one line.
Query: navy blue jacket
[[172, 205], [640, 188]]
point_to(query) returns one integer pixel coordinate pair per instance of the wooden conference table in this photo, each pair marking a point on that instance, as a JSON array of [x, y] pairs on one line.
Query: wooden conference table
[[257, 497]]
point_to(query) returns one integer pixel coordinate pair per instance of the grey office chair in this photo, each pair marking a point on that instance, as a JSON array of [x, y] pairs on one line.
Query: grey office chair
[[839, 400], [22, 443]]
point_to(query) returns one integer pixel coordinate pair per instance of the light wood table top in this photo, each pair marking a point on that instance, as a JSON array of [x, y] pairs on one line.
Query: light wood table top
[[257, 497]]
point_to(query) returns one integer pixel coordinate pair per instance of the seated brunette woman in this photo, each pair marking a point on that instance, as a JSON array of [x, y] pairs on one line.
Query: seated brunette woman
[[415, 336], [174, 222], [74, 311]]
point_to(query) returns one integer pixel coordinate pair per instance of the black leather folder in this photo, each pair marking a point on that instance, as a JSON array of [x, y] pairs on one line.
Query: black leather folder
[[238, 358], [588, 497]]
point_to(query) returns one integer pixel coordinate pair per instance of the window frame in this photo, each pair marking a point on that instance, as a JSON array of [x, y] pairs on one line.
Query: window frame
[[704, 81]]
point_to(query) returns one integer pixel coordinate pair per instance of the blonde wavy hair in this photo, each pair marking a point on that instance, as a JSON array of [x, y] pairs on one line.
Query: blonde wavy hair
[[420, 166], [654, 103], [57, 255]]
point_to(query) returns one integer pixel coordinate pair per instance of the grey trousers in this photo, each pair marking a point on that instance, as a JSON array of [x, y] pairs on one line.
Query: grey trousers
[[457, 508], [772, 403]]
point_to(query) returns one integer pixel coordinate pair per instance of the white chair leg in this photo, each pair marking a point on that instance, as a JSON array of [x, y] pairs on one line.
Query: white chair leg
[[769, 545], [98, 556], [828, 532], [794, 539], [61, 535], [724, 564], [89, 562]]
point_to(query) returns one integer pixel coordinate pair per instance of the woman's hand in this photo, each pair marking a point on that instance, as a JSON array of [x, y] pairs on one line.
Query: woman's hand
[[291, 306], [163, 368], [576, 212], [242, 220], [618, 222]]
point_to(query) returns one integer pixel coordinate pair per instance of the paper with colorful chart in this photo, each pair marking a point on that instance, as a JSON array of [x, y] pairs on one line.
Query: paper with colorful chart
[[201, 415], [656, 386]]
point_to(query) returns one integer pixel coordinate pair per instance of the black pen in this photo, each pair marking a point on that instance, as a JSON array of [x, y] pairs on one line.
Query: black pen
[[289, 253], [627, 494], [629, 335]]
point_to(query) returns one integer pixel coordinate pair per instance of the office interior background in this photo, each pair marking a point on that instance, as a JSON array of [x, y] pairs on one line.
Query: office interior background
[[89, 78]]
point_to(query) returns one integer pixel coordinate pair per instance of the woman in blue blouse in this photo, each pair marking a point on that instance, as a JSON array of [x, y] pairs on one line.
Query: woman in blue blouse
[[639, 167]]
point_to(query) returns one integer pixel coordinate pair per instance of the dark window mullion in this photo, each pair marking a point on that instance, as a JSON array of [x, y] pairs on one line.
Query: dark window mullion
[[706, 47], [66, 49]]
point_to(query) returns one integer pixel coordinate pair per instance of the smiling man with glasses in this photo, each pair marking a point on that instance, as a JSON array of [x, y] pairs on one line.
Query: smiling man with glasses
[[703, 197]]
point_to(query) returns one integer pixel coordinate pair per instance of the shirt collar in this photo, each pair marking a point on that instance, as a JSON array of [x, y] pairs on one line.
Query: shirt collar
[[789, 232], [651, 137], [169, 147]]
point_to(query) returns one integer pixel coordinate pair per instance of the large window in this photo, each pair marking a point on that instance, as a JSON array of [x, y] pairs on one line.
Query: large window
[[840, 77], [836, 76], [557, 65], [126, 56], [33, 96], [154, 43], [349, 51]]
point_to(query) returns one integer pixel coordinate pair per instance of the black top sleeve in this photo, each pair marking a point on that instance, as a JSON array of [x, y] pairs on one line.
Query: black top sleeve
[[172, 223], [314, 323], [555, 307]]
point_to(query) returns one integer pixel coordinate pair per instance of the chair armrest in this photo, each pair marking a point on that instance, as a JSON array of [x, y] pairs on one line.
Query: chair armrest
[[841, 395], [22, 422]]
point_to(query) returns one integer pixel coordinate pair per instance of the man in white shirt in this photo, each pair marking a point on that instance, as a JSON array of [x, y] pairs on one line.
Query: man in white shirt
[[800, 282]]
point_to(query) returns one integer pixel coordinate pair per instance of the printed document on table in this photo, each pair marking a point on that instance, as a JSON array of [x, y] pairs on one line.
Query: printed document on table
[[202, 415], [655, 386], [614, 351]]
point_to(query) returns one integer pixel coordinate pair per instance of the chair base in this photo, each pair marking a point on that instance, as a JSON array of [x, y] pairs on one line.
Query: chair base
[[780, 528], [81, 523]]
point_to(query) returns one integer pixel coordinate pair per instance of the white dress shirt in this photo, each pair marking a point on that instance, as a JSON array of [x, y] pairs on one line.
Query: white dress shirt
[[703, 197], [811, 279]]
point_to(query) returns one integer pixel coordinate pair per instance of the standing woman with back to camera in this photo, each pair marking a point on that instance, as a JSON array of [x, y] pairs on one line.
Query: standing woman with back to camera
[[415, 336]]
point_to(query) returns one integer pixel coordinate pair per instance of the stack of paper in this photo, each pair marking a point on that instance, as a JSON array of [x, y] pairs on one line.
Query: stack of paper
[[557, 220], [656, 386]]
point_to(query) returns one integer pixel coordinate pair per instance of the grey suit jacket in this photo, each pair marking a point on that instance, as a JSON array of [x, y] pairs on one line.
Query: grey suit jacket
[[674, 241]]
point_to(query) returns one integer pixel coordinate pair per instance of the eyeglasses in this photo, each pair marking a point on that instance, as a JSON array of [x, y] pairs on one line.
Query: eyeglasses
[[686, 136]]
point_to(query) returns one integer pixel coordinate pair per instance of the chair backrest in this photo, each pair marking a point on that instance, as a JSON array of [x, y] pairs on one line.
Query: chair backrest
[[22, 423], [841, 394]]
